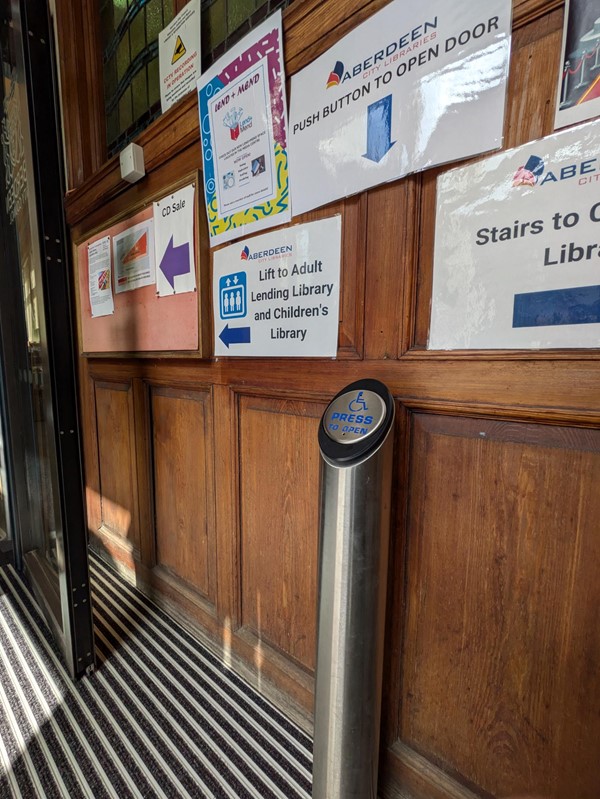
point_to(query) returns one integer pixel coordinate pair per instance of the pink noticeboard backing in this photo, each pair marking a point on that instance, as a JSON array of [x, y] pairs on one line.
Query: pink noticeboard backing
[[142, 321]]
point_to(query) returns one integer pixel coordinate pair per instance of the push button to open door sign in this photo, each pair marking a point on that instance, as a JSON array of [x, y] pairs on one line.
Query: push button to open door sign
[[354, 416]]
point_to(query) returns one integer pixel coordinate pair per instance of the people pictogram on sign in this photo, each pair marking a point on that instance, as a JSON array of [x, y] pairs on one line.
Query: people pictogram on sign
[[233, 299], [358, 403]]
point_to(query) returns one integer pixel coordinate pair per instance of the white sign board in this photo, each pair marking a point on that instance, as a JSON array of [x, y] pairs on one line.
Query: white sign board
[[578, 93], [242, 107], [133, 257], [417, 84], [174, 242], [278, 294], [179, 55], [99, 277], [517, 248]]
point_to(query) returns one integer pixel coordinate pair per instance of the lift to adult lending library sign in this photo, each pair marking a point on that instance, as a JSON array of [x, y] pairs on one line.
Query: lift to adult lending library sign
[[414, 86], [278, 294]]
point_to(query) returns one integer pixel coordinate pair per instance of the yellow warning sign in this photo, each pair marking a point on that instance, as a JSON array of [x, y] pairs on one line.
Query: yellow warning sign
[[178, 51]]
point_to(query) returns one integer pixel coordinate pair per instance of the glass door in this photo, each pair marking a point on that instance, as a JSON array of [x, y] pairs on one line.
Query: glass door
[[41, 442]]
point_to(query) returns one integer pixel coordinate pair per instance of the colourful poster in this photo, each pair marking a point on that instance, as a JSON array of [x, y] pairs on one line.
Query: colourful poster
[[133, 257], [517, 248], [578, 92], [243, 113], [277, 295], [99, 278], [417, 84]]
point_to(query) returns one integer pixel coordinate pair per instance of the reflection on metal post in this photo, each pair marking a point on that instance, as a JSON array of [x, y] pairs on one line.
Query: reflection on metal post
[[356, 441]]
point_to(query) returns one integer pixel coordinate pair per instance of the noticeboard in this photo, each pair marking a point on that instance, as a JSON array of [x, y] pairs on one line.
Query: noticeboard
[[142, 322]]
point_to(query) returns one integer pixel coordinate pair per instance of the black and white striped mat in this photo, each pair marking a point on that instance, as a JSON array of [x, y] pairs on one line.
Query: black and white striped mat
[[160, 717]]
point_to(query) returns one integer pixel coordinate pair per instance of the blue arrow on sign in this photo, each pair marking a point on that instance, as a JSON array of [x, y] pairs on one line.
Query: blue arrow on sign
[[235, 335], [379, 129], [175, 261]]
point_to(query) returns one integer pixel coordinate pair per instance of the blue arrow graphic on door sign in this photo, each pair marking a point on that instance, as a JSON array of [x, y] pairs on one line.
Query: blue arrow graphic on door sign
[[379, 129], [175, 261], [235, 335]]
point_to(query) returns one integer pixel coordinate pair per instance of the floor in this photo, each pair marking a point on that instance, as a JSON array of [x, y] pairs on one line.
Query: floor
[[161, 716]]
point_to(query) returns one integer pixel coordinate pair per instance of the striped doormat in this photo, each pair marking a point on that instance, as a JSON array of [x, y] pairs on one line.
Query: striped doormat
[[160, 717]]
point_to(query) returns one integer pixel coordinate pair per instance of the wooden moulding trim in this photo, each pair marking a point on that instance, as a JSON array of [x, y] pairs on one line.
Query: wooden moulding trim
[[308, 28], [170, 134], [406, 770], [206, 604], [502, 413]]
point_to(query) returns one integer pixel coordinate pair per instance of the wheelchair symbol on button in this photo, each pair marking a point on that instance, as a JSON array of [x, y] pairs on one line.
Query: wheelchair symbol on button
[[358, 404]]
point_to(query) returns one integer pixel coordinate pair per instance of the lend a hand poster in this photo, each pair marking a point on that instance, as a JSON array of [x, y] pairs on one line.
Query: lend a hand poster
[[243, 115], [417, 84], [277, 295], [517, 248]]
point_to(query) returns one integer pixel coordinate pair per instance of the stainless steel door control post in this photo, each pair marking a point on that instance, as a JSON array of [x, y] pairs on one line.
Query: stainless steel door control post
[[356, 443]]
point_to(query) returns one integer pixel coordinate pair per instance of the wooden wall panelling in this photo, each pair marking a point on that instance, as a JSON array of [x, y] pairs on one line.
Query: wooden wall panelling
[[391, 267], [82, 106], [529, 115], [353, 211], [310, 27], [89, 440], [279, 497], [181, 423], [226, 449], [534, 69], [143, 455], [352, 274], [117, 465], [392, 665], [408, 774], [501, 645], [138, 199], [165, 139]]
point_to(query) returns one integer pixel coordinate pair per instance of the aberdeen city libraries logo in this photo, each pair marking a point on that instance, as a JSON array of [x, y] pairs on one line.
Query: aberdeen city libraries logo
[[245, 253], [529, 174], [335, 75]]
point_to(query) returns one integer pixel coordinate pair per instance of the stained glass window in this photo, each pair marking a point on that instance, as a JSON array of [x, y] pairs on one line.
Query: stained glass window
[[224, 22], [129, 30]]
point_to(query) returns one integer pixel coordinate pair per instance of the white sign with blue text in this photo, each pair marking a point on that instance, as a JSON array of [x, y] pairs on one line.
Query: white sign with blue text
[[277, 295], [417, 84], [517, 248]]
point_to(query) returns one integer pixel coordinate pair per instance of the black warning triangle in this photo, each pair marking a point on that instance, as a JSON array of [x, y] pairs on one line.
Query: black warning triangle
[[178, 51]]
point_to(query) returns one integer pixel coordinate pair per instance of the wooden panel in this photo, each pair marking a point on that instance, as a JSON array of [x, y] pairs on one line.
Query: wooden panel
[[279, 478], [183, 485], [502, 643], [391, 259], [82, 105], [310, 28], [492, 650], [353, 211], [529, 115], [117, 463]]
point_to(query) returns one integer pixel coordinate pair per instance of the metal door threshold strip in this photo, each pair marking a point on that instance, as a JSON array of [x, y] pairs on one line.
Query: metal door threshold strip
[[160, 717]]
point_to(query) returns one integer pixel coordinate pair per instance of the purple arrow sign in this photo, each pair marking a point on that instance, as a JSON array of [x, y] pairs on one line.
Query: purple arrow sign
[[175, 261]]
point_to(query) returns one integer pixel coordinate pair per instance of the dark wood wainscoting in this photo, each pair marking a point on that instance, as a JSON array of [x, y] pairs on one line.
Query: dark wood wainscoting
[[202, 480]]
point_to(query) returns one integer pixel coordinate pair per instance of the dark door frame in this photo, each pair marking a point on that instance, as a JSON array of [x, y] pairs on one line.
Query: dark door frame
[[74, 631]]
